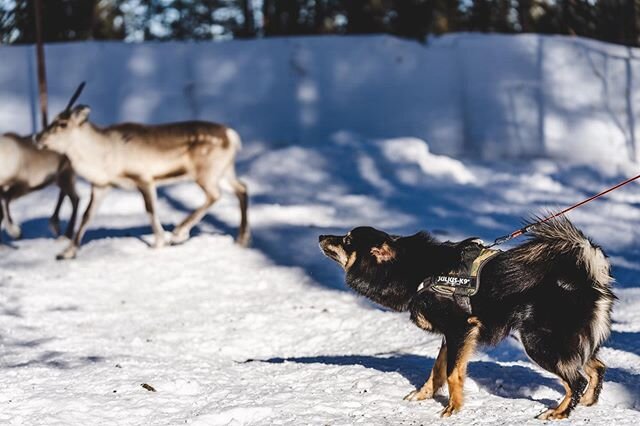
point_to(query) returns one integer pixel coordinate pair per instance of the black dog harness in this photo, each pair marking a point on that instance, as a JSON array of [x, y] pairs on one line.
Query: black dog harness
[[463, 282]]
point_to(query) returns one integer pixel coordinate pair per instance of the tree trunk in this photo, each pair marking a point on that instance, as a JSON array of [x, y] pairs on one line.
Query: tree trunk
[[524, 15], [42, 72], [248, 28]]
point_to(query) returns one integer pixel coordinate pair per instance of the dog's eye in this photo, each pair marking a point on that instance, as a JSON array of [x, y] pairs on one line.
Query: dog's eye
[[63, 125], [347, 240]]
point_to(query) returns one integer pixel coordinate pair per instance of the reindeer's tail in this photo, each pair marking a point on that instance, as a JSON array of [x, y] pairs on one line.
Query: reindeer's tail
[[234, 138]]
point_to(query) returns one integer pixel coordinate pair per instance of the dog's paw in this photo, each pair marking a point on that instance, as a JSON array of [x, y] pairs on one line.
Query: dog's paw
[[418, 395], [552, 414], [449, 410], [588, 399]]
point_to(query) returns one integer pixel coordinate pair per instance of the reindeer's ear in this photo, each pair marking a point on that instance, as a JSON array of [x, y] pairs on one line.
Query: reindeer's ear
[[80, 114], [384, 253]]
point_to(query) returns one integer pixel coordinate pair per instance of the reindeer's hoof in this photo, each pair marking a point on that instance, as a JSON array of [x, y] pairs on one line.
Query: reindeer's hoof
[[158, 243], [449, 410], [552, 414], [69, 253], [179, 238], [14, 232], [418, 395], [244, 239], [54, 227]]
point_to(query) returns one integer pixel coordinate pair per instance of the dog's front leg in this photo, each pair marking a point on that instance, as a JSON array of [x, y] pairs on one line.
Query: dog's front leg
[[459, 350], [436, 379]]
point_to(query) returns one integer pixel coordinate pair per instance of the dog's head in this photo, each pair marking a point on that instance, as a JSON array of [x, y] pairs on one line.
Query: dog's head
[[377, 265], [363, 245]]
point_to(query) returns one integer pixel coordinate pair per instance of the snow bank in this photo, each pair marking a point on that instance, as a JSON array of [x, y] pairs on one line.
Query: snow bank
[[490, 96], [233, 336]]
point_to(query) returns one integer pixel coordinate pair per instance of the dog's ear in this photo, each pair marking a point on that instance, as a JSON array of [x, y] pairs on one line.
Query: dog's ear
[[384, 253]]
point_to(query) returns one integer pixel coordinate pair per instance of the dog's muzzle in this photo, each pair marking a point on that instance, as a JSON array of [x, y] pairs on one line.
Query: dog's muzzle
[[329, 244]]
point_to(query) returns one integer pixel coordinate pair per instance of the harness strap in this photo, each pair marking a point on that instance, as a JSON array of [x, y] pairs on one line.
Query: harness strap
[[457, 286], [485, 255]]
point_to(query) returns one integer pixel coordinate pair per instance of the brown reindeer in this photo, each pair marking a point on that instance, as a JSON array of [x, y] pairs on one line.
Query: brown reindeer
[[142, 157]]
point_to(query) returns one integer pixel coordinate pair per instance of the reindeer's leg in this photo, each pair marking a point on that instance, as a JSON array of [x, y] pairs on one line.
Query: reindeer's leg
[[70, 189], [459, 350], [240, 189], [54, 220], [1, 214], [97, 195], [148, 191], [66, 182], [436, 380], [13, 230], [212, 192]]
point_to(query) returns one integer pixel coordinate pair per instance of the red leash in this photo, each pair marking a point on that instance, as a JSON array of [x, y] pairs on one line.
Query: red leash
[[527, 228]]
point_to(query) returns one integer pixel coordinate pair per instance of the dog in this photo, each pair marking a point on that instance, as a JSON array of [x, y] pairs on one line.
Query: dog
[[554, 290]]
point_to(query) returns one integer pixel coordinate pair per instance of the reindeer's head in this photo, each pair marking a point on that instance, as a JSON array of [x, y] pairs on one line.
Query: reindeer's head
[[64, 129], [66, 126]]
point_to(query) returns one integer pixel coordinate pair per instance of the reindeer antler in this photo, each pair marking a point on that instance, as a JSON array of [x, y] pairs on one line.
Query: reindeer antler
[[75, 96]]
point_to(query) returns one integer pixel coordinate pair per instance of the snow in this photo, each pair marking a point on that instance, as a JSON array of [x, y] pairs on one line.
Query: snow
[[490, 96], [270, 334]]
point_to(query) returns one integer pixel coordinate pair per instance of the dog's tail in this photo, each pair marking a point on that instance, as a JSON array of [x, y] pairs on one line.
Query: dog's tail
[[560, 237], [577, 265]]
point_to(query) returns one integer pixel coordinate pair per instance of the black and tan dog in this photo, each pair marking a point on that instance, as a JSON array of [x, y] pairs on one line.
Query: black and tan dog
[[554, 290]]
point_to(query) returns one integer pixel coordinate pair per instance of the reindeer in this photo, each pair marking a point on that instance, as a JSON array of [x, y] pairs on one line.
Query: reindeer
[[25, 168], [142, 157]]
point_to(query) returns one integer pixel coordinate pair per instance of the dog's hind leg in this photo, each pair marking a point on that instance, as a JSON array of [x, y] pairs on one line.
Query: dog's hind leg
[[541, 349], [595, 370], [573, 391], [459, 350], [436, 379]]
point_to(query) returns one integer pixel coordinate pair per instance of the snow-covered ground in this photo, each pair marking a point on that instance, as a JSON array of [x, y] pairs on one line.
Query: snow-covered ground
[[269, 335], [335, 132]]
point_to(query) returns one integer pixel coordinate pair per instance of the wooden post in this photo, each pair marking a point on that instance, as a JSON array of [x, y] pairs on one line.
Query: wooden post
[[42, 72]]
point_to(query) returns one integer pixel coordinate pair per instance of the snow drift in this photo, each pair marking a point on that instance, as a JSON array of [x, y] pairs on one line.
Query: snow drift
[[490, 96]]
